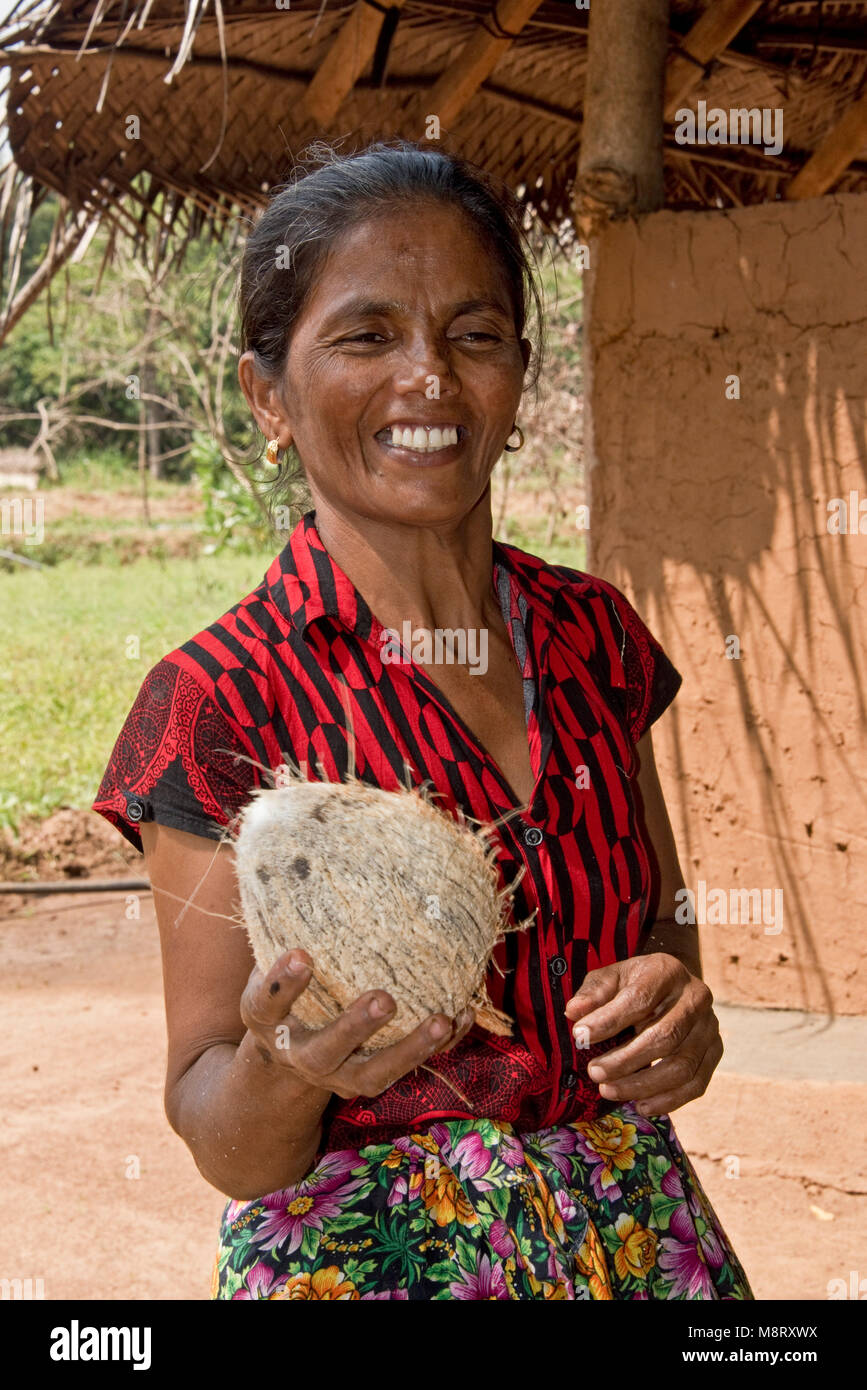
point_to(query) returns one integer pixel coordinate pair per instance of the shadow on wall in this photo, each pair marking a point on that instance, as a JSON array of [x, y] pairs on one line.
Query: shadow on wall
[[729, 447]]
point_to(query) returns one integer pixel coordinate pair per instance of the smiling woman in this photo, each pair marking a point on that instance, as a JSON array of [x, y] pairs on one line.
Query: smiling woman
[[385, 300]]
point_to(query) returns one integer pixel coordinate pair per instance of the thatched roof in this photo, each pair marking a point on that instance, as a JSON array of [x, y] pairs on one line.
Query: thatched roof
[[224, 97]]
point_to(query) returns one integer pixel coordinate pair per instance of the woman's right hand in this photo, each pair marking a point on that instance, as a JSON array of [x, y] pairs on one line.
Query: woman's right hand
[[325, 1057]]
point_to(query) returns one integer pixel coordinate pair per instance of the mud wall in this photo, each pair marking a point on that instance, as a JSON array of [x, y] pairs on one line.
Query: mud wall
[[727, 376]]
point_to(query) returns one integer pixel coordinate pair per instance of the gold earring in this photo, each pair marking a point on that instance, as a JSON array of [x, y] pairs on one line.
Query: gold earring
[[513, 448], [273, 450]]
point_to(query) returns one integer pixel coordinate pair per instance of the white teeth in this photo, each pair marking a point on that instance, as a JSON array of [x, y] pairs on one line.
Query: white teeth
[[423, 440]]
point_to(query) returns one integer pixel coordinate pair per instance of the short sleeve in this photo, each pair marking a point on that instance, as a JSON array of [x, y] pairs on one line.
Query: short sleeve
[[178, 760], [638, 664]]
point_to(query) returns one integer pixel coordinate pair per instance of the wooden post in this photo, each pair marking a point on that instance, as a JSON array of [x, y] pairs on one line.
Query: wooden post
[[710, 34], [477, 59], [620, 165], [345, 61], [843, 143]]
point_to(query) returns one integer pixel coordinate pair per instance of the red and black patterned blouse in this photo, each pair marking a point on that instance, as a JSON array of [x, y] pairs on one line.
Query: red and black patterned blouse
[[268, 679]]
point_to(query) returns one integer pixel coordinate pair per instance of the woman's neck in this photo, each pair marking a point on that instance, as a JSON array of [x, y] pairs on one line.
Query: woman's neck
[[432, 576]]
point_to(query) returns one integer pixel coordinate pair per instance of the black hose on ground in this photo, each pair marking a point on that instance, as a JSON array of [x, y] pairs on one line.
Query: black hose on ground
[[94, 885]]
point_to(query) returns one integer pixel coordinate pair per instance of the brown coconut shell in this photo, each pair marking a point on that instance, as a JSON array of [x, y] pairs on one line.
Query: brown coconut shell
[[383, 889]]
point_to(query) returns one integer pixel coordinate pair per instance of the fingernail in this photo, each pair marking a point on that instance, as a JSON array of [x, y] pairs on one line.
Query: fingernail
[[439, 1029], [377, 1008], [596, 1072], [467, 1017], [297, 966]]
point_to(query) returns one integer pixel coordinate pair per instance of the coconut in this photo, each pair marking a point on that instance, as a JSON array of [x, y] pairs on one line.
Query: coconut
[[383, 889]]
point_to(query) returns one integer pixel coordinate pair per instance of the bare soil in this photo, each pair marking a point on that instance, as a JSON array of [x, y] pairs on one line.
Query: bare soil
[[67, 844]]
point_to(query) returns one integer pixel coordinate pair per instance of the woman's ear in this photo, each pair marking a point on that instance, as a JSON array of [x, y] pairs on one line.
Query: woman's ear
[[526, 352], [264, 402]]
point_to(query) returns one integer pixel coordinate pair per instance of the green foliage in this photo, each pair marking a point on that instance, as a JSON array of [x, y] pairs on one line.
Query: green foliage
[[101, 323], [231, 515]]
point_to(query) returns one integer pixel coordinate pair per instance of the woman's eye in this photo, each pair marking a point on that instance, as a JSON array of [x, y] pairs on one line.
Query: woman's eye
[[363, 337], [479, 335]]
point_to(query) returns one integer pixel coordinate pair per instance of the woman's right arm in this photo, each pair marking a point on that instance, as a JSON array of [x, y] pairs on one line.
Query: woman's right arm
[[248, 1106]]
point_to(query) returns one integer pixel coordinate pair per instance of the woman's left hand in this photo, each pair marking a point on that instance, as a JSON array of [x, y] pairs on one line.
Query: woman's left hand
[[677, 1030]]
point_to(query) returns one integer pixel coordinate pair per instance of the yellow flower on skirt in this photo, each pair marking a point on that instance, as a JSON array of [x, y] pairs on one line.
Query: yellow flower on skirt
[[637, 1254], [612, 1138], [323, 1285], [545, 1205], [590, 1261], [446, 1201]]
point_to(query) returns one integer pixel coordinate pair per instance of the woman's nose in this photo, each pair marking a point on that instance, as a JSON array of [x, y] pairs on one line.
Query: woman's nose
[[426, 366]]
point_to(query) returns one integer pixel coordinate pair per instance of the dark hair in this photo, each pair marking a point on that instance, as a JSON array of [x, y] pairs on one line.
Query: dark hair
[[330, 193]]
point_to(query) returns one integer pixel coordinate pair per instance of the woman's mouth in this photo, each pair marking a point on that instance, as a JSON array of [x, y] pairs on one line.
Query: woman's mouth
[[428, 440]]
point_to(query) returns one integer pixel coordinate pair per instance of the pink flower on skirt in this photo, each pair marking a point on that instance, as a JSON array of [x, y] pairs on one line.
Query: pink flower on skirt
[[488, 1282]]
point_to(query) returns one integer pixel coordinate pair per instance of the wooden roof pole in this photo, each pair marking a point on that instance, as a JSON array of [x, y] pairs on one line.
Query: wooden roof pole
[[843, 143], [707, 38], [477, 59], [620, 164], [346, 60]]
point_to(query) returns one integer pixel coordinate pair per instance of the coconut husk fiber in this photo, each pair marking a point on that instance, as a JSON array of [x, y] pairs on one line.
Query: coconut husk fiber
[[383, 889]]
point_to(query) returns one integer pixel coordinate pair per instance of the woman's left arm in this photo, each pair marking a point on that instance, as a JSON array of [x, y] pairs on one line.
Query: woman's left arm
[[660, 992]]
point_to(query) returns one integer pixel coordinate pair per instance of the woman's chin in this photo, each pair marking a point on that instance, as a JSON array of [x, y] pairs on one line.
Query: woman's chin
[[427, 506]]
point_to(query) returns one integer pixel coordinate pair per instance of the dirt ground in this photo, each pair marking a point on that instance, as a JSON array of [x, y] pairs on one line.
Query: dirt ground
[[67, 844], [102, 1200]]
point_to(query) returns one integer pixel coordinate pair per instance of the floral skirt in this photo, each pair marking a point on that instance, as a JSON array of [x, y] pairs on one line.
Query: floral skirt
[[468, 1209]]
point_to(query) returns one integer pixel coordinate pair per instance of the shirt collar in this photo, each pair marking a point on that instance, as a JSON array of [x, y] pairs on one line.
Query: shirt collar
[[305, 583]]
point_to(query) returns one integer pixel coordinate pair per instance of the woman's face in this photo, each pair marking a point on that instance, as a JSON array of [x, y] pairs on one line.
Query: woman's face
[[405, 370]]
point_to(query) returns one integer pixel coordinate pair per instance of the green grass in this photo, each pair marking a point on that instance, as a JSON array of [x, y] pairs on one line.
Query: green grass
[[66, 682], [104, 470]]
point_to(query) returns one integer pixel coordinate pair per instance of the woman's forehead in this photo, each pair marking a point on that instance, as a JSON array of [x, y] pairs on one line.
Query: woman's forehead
[[400, 259]]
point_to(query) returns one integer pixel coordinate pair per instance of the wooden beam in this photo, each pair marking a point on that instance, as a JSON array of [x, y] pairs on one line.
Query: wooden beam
[[620, 168], [346, 60], [707, 38], [478, 58], [843, 143], [823, 41]]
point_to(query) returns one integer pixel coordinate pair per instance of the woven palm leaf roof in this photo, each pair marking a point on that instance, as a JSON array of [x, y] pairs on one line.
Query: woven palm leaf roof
[[219, 93]]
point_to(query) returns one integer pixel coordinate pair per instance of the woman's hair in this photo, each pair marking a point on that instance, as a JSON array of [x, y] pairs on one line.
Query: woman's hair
[[329, 194]]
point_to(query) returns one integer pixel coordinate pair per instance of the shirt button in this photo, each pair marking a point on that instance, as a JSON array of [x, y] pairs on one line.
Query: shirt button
[[533, 836], [134, 809], [569, 1080], [558, 965]]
